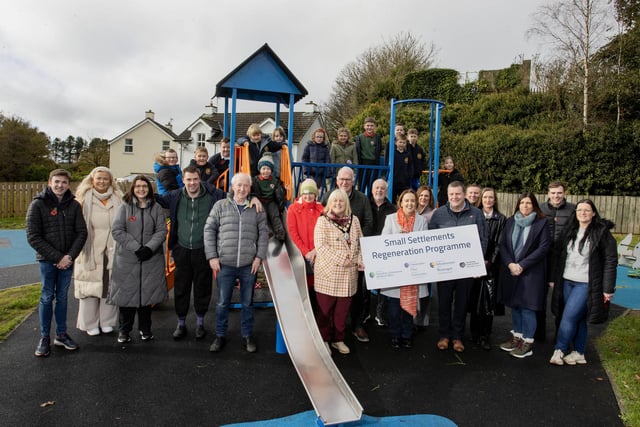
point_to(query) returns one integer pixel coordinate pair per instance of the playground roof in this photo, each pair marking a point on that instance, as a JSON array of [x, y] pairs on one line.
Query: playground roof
[[262, 77]]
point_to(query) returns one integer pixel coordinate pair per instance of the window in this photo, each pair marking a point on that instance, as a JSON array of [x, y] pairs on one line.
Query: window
[[165, 145], [128, 145], [201, 140]]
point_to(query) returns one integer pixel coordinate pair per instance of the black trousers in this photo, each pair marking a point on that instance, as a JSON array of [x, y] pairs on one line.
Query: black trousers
[[192, 271], [128, 315], [360, 303]]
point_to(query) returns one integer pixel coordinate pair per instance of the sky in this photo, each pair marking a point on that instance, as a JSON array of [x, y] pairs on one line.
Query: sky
[[92, 68]]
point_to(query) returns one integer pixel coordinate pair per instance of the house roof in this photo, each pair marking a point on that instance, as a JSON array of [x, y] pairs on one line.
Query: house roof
[[301, 121], [209, 120], [170, 133], [262, 77]]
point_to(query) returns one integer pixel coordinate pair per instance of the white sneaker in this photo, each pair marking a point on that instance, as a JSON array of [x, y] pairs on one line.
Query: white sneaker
[[93, 332], [341, 347], [556, 359], [107, 329], [575, 358]]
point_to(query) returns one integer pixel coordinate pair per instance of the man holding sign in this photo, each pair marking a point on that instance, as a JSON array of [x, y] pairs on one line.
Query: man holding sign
[[456, 212]]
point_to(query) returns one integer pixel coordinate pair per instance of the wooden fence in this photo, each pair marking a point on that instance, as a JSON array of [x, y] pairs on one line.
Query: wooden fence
[[624, 211]]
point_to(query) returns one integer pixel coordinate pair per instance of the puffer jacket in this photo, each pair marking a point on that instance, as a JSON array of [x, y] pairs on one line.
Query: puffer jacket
[[559, 219], [233, 237], [603, 261], [55, 228], [136, 283], [316, 153]]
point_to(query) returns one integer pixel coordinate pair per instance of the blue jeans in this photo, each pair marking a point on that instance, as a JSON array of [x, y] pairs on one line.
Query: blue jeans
[[400, 322], [226, 281], [55, 285], [573, 325], [524, 321]]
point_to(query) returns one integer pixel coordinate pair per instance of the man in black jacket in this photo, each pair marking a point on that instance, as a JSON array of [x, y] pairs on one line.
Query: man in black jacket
[[57, 231], [559, 212]]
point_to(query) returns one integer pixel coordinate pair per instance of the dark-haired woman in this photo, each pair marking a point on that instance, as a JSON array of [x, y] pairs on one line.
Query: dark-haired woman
[[138, 278], [481, 319], [586, 282], [524, 244]]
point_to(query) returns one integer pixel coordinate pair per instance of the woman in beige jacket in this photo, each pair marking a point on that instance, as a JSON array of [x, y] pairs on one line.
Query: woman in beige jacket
[[100, 199], [338, 258]]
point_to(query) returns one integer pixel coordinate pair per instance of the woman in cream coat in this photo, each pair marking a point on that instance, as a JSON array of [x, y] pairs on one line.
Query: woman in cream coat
[[100, 200], [400, 315]]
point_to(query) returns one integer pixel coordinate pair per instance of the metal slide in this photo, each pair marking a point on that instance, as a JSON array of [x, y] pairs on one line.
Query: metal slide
[[331, 397]]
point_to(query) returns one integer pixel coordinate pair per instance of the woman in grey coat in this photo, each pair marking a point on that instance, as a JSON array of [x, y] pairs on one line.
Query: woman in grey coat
[[138, 277]]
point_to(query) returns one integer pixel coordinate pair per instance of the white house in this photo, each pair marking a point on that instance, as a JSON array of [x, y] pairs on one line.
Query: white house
[[134, 150]]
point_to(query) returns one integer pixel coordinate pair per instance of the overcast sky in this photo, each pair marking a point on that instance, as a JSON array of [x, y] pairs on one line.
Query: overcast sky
[[92, 68]]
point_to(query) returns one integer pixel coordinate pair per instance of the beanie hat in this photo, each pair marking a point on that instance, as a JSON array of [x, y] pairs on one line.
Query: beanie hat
[[309, 186], [266, 160]]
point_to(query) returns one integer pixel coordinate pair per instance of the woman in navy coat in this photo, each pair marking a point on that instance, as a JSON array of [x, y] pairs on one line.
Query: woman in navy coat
[[524, 244]]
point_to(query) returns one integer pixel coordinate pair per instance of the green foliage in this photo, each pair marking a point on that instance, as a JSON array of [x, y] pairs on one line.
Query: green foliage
[[21, 146], [435, 83], [508, 78]]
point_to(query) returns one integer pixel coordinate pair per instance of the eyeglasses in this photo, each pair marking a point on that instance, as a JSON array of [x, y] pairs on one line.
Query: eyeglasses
[[345, 179]]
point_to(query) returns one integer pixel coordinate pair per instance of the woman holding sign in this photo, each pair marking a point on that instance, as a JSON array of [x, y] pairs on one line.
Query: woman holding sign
[[402, 301], [338, 258], [524, 244]]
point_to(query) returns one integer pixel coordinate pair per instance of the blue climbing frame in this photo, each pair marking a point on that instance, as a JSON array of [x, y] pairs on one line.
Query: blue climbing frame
[[434, 140]]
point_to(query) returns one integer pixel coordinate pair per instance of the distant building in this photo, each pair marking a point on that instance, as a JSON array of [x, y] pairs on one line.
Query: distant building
[[133, 151]]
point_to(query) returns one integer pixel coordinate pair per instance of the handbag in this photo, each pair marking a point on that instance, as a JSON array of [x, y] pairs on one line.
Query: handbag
[[486, 296]]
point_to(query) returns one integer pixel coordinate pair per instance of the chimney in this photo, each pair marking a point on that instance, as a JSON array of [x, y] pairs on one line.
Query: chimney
[[210, 109], [149, 115], [169, 125]]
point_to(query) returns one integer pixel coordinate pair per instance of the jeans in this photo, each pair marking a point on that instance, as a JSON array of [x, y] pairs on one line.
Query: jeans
[[55, 285], [524, 321], [226, 281], [573, 325], [400, 322]]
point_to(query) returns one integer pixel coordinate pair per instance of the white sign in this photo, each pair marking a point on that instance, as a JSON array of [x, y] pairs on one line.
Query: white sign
[[422, 257]]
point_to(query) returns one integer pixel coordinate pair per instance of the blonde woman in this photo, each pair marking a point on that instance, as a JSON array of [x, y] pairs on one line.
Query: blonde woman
[[338, 258], [100, 199]]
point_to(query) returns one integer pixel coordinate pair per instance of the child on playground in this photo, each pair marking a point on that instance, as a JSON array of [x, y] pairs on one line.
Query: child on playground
[[167, 169], [343, 151], [271, 193], [259, 145], [418, 157], [220, 161], [201, 162], [402, 166], [278, 135]]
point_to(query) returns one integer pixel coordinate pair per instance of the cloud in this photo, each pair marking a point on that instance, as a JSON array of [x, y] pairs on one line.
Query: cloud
[[91, 69]]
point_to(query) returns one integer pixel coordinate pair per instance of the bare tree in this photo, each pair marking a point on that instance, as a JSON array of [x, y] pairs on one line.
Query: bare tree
[[576, 29], [376, 74]]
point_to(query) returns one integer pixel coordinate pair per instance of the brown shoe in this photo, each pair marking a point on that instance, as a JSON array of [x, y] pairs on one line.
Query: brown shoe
[[443, 343], [458, 346]]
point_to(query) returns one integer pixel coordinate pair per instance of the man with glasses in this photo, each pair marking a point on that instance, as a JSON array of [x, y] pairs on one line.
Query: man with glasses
[[361, 208]]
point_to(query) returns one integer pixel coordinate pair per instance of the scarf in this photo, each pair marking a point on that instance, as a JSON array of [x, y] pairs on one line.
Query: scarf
[[88, 259], [369, 134], [342, 223], [517, 237], [409, 293]]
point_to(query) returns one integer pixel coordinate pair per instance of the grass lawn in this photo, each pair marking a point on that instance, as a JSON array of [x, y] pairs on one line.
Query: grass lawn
[[15, 305], [17, 223], [619, 349]]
